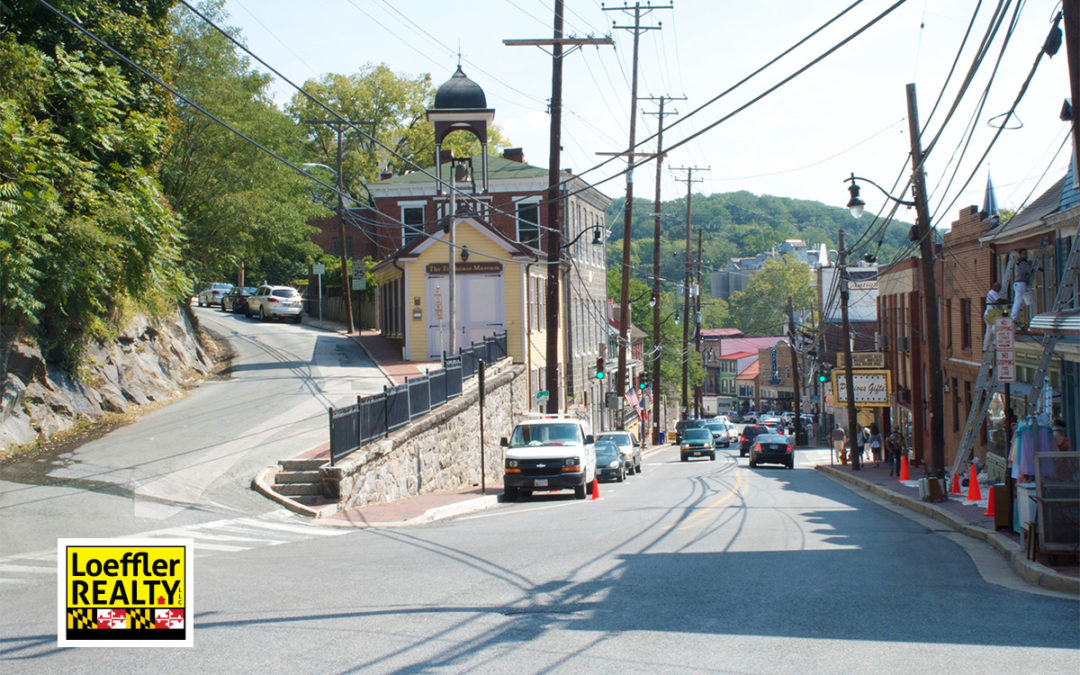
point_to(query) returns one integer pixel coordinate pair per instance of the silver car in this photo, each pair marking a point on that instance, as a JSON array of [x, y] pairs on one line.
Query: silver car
[[276, 302], [212, 294]]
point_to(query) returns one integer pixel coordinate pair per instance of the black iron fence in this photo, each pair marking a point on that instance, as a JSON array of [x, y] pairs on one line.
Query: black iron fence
[[372, 417]]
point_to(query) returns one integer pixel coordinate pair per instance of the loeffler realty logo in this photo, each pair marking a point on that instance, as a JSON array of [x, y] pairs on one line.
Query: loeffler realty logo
[[125, 592]]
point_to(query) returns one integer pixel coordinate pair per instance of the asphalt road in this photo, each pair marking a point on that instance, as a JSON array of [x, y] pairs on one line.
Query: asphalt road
[[191, 461], [696, 566]]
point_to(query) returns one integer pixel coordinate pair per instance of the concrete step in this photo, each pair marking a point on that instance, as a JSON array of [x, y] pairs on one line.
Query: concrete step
[[299, 489], [306, 464], [296, 477]]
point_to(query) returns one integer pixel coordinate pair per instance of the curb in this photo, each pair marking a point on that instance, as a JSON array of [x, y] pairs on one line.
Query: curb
[[1030, 570], [261, 484], [461, 508], [371, 357]]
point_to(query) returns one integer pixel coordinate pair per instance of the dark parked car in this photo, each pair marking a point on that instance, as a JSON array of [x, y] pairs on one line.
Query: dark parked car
[[235, 300], [746, 438], [772, 449], [697, 442], [609, 462], [682, 425], [630, 451]]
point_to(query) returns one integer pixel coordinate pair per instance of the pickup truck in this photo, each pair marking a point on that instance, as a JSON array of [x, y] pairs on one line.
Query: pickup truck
[[552, 452]]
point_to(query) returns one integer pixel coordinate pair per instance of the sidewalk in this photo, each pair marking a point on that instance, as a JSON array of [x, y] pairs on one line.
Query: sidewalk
[[387, 357], [966, 517]]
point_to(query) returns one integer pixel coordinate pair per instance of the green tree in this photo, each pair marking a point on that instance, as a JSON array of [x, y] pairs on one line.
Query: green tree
[[238, 204], [83, 220], [762, 308], [395, 105]]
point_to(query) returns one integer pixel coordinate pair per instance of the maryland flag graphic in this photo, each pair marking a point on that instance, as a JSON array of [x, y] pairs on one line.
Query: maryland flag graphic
[[125, 593]]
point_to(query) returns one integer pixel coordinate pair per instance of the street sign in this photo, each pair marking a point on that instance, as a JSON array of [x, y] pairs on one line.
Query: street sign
[[542, 395], [1004, 350], [318, 269], [1006, 372]]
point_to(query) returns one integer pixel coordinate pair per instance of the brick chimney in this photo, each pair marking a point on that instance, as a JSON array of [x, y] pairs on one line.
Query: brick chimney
[[514, 155]]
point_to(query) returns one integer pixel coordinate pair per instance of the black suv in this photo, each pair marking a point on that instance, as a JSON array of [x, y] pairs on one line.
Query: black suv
[[683, 425], [749, 433]]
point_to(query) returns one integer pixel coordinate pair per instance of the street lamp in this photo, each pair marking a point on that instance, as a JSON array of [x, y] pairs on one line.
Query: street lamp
[[596, 241], [856, 205]]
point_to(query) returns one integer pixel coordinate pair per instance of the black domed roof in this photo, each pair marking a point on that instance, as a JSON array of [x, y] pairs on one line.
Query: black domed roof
[[460, 92]]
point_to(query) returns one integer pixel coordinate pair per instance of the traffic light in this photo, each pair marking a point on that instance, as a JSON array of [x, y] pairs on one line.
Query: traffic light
[[641, 385], [823, 373], [600, 368]]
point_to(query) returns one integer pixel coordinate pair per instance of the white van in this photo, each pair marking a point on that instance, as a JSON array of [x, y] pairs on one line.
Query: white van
[[549, 452]]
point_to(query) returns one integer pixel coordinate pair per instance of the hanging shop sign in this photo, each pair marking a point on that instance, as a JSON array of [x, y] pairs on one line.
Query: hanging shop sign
[[872, 387]]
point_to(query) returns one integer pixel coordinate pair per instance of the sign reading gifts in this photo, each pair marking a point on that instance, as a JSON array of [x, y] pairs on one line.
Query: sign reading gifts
[[872, 387], [125, 592]]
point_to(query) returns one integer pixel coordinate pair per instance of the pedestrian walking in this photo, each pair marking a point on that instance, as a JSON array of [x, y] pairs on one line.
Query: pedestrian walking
[[1021, 278], [877, 444], [839, 439], [895, 445], [864, 444]]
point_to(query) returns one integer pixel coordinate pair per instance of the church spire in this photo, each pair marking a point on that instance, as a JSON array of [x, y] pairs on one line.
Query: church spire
[[990, 206]]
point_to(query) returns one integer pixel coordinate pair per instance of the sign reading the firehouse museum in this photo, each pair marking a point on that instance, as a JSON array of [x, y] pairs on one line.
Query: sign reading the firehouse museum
[[125, 592]]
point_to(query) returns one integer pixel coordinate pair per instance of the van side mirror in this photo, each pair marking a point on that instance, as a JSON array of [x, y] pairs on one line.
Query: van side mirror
[[504, 442], [589, 440]]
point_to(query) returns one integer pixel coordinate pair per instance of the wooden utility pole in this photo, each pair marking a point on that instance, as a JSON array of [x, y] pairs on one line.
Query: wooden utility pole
[[554, 202], [655, 367], [697, 326], [794, 367], [624, 293], [689, 180], [346, 291], [930, 298], [845, 338], [1071, 11]]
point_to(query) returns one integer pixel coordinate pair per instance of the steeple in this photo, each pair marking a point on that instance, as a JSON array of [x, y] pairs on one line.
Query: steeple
[[990, 206]]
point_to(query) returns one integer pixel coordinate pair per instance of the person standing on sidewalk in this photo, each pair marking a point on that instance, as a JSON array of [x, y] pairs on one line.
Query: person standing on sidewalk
[[895, 445], [877, 443], [838, 443]]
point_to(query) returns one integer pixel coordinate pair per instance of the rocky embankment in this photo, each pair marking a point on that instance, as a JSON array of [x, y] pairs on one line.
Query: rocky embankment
[[152, 360]]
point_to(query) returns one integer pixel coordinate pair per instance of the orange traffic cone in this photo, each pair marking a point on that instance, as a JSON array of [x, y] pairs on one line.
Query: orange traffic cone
[[974, 493], [595, 489], [955, 489], [989, 503], [904, 475]]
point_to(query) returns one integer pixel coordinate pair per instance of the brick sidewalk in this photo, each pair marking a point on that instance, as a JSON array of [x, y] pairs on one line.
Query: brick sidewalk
[[958, 508], [388, 357]]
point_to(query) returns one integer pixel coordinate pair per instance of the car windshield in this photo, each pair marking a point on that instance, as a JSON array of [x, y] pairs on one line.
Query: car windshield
[[698, 435], [284, 292], [620, 438], [606, 452], [545, 434], [715, 426]]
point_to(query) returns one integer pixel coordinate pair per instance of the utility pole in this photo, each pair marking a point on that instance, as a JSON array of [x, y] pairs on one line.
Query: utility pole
[[689, 180], [624, 294], [554, 203], [794, 367], [697, 325], [930, 298], [656, 267], [339, 128], [845, 338], [1071, 11]]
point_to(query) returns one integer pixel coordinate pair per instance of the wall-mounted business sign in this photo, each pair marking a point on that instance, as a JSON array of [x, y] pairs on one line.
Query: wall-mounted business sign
[[872, 387], [862, 360], [465, 268]]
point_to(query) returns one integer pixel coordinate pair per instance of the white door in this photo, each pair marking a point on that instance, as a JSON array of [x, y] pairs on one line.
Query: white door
[[438, 315], [482, 311]]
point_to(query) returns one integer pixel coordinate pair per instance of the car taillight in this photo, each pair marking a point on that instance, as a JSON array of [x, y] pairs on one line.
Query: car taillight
[[217, 293], [742, 438], [757, 446], [789, 448], [271, 299]]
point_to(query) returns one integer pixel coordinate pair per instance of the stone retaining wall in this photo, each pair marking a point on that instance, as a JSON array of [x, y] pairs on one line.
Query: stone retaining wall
[[439, 451], [151, 360]]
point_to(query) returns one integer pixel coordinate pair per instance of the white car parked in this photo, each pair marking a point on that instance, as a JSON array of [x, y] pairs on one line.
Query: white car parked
[[276, 302]]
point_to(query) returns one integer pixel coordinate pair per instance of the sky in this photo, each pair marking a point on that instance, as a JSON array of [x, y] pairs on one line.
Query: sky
[[845, 114]]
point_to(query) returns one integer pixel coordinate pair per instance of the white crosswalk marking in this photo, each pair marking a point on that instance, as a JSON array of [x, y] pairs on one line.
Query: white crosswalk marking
[[211, 538]]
